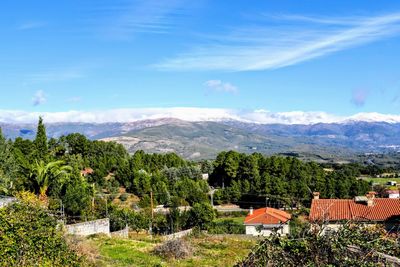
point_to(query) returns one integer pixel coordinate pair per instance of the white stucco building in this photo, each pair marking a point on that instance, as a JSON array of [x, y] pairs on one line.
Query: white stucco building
[[265, 221]]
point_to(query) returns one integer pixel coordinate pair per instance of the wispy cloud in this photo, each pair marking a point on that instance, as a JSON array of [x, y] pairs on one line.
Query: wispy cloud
[[272, 46], [191, 114], [146, 16], [29, 25], [39, 98], [220, 86], [359, 97]]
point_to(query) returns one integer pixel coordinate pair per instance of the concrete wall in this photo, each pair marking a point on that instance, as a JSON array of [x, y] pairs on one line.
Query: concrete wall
[[101, 226], [124, 233], [267, 230], [178, 234]]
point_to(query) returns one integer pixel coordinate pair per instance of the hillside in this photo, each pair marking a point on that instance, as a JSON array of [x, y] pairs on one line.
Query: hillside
[[197, 140]]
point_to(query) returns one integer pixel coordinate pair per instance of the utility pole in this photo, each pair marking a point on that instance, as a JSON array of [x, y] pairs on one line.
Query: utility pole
[[152, 212]]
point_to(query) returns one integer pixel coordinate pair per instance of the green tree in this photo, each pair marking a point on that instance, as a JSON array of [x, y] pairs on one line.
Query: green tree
[[8, 166], [201, 215], [45, 175], [41, 146]]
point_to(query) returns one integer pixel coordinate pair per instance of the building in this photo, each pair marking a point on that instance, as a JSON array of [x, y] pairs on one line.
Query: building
[[362, 209], [392, 194], [264, 221]]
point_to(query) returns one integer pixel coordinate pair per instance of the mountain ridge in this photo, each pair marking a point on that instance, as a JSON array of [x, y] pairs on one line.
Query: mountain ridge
[[204, 139]]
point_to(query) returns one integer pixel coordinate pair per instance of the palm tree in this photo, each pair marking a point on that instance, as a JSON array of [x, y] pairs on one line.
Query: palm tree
[[45, 173]]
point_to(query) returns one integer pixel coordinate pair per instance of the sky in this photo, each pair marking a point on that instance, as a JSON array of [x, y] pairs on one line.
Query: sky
[[101, 60]]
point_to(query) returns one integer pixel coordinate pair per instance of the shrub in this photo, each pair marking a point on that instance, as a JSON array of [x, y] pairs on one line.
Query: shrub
[[176, 248], [227, 226], [29, 236]]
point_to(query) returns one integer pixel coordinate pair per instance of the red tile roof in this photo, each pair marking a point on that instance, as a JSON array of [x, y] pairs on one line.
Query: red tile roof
[[348, 209], [87, 171], [267, 216]]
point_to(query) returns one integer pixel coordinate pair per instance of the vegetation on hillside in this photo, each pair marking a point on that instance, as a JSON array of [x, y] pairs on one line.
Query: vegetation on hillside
[[77, 179]]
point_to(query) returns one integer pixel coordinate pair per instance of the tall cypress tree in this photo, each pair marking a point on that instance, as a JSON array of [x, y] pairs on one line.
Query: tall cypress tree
[[41, 141]]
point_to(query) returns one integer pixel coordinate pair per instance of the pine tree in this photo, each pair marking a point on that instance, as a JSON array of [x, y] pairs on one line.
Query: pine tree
[[41, 142]]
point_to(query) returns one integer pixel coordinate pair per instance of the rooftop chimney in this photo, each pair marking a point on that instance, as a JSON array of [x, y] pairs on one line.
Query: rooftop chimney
[[251, 211], [316, 195], [370, 199]]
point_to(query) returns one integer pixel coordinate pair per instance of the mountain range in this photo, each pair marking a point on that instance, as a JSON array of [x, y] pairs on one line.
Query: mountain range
[[204, 139]]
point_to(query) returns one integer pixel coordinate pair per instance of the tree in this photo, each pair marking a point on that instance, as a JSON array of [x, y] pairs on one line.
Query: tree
[[8, 166], [41, 145], [201, 215], [49, 174]]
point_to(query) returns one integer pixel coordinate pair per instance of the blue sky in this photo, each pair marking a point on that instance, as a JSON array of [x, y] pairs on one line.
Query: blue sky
[[338, 57]]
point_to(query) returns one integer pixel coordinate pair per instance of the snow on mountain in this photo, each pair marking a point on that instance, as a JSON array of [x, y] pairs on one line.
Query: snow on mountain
[[192, 114]]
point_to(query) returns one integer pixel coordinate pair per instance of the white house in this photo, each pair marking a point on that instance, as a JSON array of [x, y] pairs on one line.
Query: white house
[[265, 221], [392, 193]]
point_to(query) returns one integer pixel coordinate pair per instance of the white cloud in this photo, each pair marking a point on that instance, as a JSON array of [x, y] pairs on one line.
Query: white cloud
[[220, 86], [269, 46], [145, 16], [39, 98], [191, 114]]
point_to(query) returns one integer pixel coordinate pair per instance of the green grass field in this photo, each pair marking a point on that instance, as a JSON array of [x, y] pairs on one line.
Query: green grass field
[[381, 181], [137, 251]]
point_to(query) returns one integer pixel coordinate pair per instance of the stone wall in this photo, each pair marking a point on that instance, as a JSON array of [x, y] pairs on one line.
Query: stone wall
[[101, 226]]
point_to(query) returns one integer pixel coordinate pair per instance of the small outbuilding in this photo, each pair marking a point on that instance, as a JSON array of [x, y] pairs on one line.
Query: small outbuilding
[[265, 221]]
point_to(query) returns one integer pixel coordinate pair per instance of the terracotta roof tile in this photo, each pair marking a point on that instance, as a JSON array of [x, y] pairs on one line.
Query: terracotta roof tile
[[348, 209], [267, 216]]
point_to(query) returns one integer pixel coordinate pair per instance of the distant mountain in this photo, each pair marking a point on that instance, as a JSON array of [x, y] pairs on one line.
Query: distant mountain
[[196, 140]]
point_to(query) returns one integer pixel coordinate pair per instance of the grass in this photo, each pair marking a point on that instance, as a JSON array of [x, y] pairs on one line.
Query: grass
[[381, 181], [137, 251]]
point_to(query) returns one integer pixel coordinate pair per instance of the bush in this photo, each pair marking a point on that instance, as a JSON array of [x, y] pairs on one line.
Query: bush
[[226, 227], [31, 237], [330, 249], [176, 248]]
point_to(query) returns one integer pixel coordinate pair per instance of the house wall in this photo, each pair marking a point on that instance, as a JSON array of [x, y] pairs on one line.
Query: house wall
[[266, 231]]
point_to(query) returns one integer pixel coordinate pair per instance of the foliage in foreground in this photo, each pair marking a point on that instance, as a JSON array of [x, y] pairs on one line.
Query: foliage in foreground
[[30, 237], [331, 249]]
